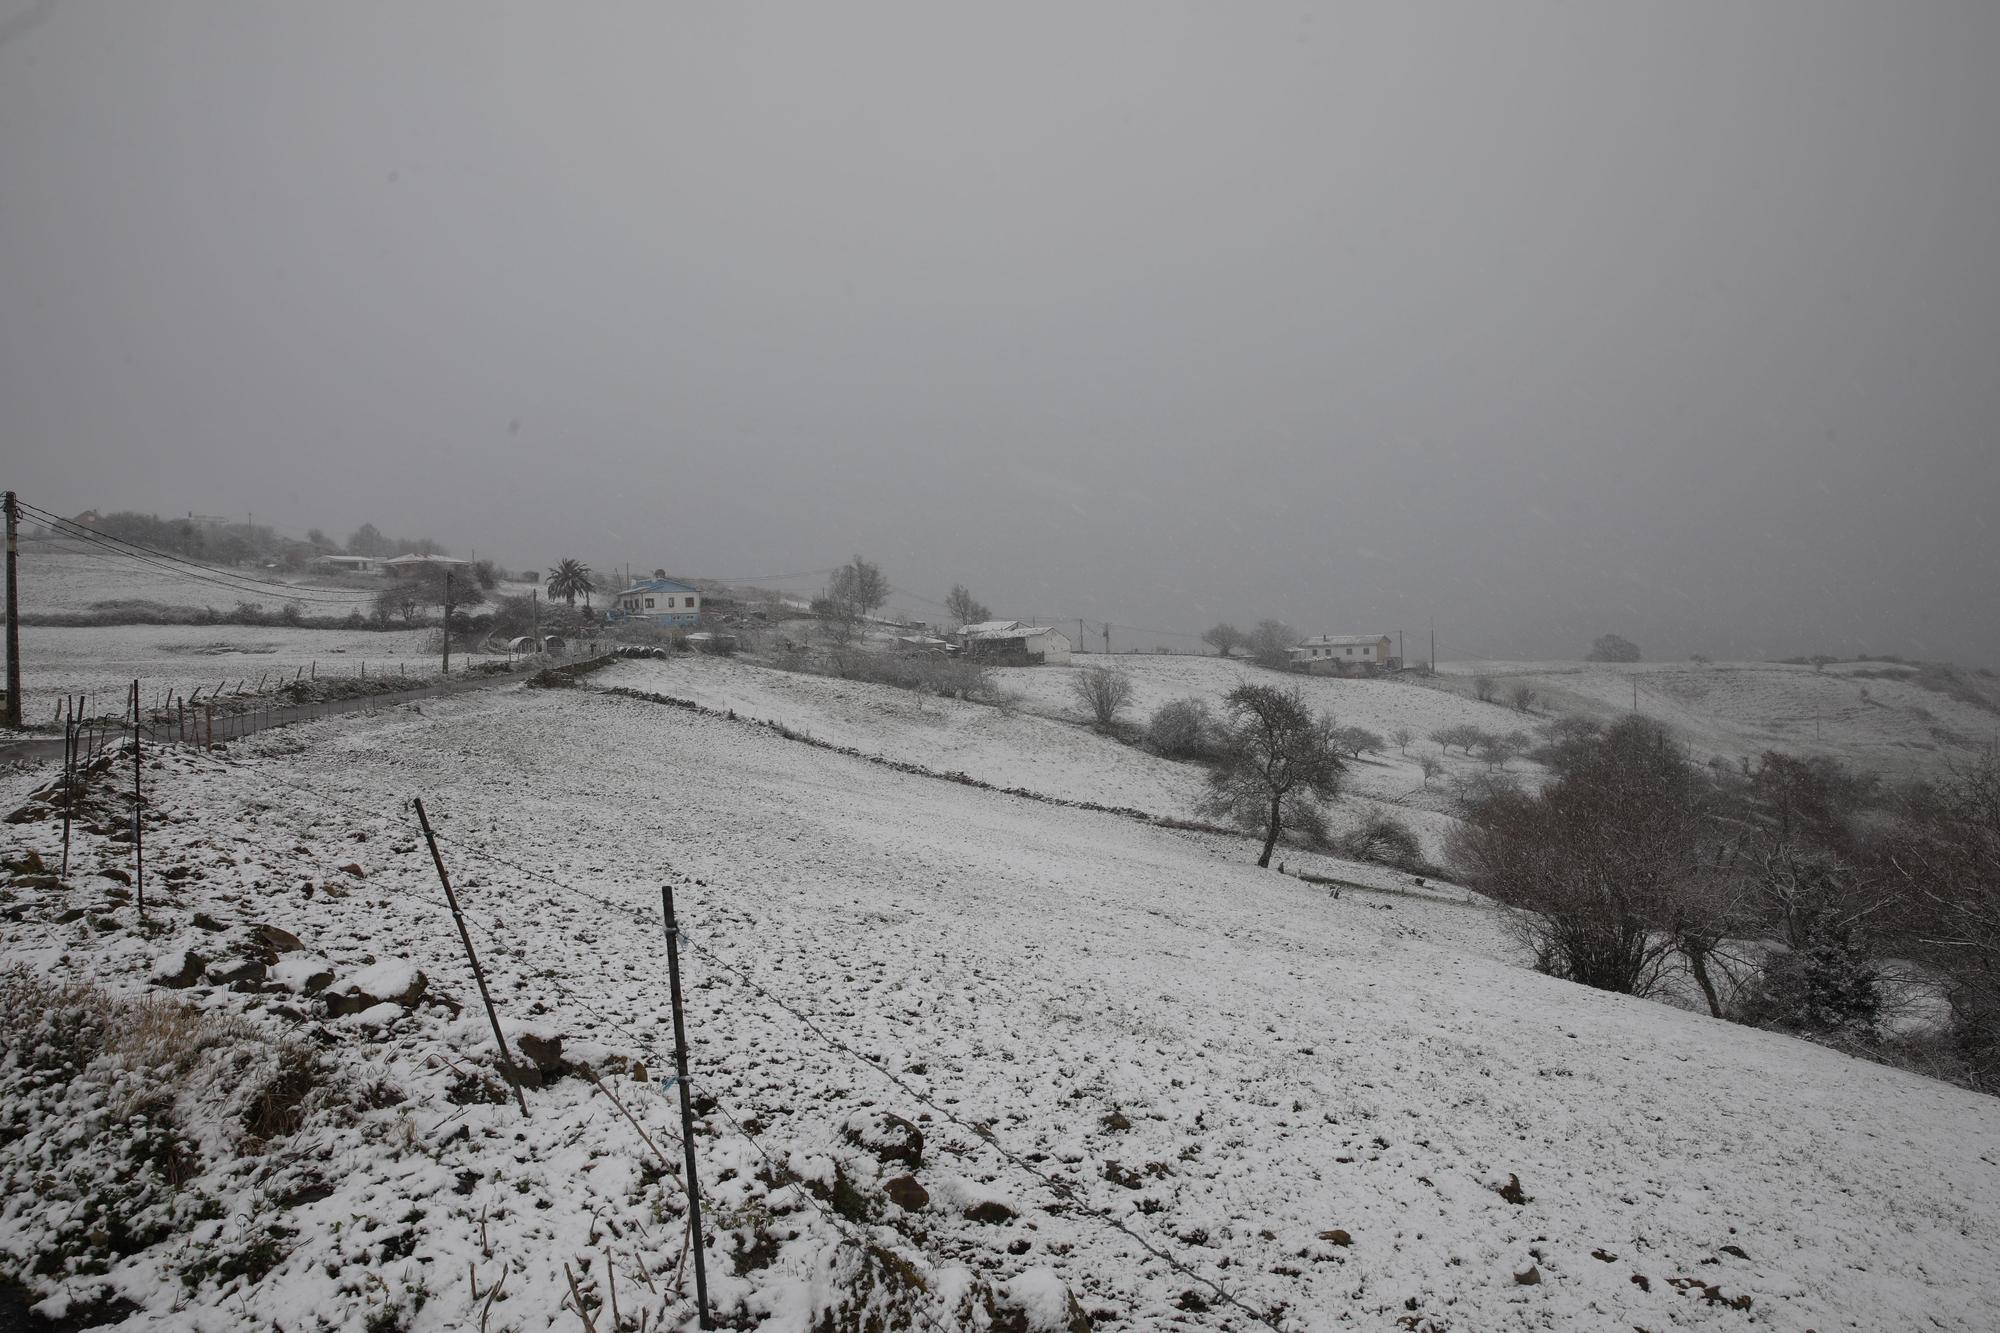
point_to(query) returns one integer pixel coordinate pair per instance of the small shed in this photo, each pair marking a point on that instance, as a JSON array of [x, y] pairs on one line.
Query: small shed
[[1010, 643]]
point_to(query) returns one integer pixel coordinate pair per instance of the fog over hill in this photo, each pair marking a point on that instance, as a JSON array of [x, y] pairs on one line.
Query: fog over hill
[[1540, 321]]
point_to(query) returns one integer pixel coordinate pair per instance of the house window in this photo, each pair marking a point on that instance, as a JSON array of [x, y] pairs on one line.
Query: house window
[[649, 603], [670, 603], [1350, 652]]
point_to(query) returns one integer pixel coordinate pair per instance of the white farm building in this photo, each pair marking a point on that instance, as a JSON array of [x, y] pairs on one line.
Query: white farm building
[[1010, 643], [1334, 654]]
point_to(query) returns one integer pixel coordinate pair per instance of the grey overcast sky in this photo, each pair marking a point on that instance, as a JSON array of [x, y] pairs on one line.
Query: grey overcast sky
[[1680, 320]]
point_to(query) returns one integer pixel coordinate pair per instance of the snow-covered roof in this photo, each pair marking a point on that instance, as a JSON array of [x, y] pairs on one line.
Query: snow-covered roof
[[659, 585], [407, 560], [992, 630], [1341, 640]]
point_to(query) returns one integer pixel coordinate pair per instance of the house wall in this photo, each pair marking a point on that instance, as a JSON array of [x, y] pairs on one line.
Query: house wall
[[685, 608], [1053, 648]]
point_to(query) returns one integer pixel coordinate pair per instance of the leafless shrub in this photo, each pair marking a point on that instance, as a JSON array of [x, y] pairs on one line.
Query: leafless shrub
[[1593, 862], [1103, 693], [1182, 729]]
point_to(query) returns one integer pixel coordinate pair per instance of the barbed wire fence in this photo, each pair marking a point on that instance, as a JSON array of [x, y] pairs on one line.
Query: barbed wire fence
[[508, 942]]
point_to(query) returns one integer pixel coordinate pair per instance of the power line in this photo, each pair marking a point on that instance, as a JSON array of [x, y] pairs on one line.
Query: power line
[[71, 528], [186, 568], [766, 578], [181, 567]]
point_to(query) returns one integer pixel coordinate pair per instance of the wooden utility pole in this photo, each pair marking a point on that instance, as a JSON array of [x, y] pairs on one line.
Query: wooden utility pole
[[447, 622], [1107, 638], [687, 1107], [13, 716]]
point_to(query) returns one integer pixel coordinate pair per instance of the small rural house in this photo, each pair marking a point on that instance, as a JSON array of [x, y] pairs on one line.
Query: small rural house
[[662, 601], [1010, 643], [417, 564], [1341, 654], [348, 564]]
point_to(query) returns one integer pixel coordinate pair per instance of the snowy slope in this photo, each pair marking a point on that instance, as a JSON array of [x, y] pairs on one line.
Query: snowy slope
[[1233, 1064], [1731, 709]]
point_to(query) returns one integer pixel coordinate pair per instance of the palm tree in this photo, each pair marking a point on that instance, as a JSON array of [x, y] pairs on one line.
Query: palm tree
[[571, 579]]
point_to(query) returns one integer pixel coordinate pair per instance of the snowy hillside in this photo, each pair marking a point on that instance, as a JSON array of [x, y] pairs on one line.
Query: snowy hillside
[[1871, 715], [1341, 1112]]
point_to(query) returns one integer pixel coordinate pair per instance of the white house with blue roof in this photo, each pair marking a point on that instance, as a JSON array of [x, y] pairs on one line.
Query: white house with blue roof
[[662, 601]]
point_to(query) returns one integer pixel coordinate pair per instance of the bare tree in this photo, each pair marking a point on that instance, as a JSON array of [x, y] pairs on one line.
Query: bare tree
[[964, 608], [1278, 761], [1403, 736], [1357, 741], [1271, 643], [1103, 693], [1484, 690], [1948, 852], [1612, 648], [1428, 765], [838, 620], [1224, 638], [1598, 863], [1463, 735], [1525, 697], [858, 585]]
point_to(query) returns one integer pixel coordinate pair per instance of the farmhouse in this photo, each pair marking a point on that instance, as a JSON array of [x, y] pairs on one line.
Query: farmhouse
[[1010, 643], [349, 564], [661, 601], [1338, 654], [417, 564]]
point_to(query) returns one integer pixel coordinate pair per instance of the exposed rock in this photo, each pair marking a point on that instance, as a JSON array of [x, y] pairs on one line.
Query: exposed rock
[[203, 921], [278, 938], [1038, 1302], [26, 863], [1531, 1278], [386, 982], [890, 1137], [178, 971], [1336, 1237], [992, 1212], [906, 1193], [354, 869], [544, 1050], [114, 872], [304, 975], [238, 970]]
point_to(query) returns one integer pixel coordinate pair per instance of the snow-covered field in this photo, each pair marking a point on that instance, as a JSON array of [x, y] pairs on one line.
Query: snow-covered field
[[1879, 722], [1310, 1101], [1038, 741], [105, 659], [70, 575]]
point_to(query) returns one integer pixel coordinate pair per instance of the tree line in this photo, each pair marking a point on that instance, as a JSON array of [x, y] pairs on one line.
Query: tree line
[[1781, 888]]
